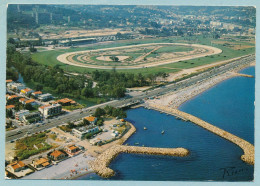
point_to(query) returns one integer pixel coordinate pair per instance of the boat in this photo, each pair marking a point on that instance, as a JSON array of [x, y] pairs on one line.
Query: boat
[[145, 128], [136, 143], [163, 132]]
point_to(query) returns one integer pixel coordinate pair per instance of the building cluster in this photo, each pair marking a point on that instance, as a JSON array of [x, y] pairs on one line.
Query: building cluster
[[29, 106], [18, 169]]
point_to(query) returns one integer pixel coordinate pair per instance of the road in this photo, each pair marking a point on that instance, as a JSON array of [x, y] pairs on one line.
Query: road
[[78, 114]]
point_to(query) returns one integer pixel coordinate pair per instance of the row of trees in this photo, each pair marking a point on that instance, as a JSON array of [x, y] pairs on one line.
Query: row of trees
[[110, 111], [110, 84]]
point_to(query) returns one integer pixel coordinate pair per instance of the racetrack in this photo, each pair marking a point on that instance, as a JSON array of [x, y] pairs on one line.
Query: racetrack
[[83, 58]]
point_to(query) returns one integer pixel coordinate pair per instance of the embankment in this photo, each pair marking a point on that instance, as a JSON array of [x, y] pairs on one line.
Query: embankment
[[101, 163]]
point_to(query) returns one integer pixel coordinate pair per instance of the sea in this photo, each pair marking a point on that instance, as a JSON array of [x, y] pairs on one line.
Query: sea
[[229, 105]]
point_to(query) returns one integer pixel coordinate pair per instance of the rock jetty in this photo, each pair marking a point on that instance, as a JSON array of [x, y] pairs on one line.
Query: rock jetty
[[248, 148], [101, 163]]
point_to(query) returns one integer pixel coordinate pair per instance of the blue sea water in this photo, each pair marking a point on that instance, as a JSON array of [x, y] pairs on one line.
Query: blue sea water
[[228, 105]]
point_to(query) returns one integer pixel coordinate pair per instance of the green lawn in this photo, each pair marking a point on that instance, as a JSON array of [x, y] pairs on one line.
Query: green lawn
[[168, 49]]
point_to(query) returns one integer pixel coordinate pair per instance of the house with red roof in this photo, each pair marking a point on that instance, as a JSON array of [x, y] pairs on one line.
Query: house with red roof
[[91, 119], [16, 166], [37, 93], [31, 101], [57, 155], [26, 91], [72, 150], [8, 107]]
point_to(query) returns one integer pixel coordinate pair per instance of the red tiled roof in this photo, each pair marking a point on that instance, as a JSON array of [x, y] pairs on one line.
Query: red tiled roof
[[38, 92], [13, 96], [42, 107], [9, 106], [30, 101], [21, 99], [9, 81], [56, 153], [41, 161], [17, 165], [72, 147], [27, 89], [65, 100], [90, 118]]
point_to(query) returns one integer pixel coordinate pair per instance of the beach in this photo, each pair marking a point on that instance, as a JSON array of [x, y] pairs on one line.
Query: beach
[[176, 98], [68, 169]]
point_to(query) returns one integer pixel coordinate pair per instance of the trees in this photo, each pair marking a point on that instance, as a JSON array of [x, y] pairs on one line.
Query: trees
[[86, 122], [29, 106], [100, 121], [109, 110], [9, 113], [114, 58], [99, 112]]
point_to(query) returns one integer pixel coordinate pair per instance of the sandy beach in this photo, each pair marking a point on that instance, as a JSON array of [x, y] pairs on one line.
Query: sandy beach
[[63, 169]]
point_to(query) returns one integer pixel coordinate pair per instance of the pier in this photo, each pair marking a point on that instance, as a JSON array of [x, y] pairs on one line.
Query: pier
[[167, 112], [244, 75], [101, 163], [248, 148]]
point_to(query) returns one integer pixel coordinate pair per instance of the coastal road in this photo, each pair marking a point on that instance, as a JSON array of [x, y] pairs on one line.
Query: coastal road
[[78, 114]]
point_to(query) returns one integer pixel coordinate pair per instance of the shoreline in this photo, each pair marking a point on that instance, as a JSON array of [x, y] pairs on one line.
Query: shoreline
[[177, 98]]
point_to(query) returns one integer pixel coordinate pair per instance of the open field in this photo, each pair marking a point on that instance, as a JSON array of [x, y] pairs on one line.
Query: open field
[[49, 57]]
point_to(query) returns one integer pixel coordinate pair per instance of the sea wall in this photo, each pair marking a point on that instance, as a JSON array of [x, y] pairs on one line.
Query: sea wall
[[101, 163], [248, 148]]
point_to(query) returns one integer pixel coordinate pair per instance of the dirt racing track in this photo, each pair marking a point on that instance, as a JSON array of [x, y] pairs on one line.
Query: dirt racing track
[[137, 56]]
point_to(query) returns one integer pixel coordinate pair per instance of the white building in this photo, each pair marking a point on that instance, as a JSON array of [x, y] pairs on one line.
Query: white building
[[19, 115], [50, 110], [82, 131], [45, 97], [16, 86]]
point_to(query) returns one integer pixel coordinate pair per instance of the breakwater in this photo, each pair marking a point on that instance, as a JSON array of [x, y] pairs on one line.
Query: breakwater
[[247, 147], [244, 75], [101, 163]]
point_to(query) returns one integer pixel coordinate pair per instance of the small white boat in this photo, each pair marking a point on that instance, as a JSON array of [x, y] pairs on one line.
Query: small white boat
[[145, 128], [163, 132]]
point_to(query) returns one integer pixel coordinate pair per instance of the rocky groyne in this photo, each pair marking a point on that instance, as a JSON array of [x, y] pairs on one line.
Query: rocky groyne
[[248, 148], [101, 163]]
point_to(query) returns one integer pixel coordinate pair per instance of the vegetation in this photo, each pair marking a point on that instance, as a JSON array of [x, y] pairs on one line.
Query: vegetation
[[9, 126], [73, 107], [114, 58], [32, 145], [110, 111]]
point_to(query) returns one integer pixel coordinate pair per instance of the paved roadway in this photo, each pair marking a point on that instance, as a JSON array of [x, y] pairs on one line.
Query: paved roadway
[[78, 114]]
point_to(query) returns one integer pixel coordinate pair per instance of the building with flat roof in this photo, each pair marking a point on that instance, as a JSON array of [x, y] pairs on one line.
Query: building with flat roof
[[81, 132], [19, 115], [16, 86], [45, 97], [50, 110], [32, 117]]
